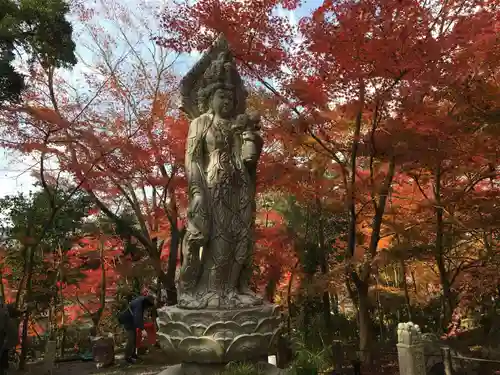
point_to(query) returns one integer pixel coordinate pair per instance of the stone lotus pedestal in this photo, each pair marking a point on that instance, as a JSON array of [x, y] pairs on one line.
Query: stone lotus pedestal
[[206, 340]]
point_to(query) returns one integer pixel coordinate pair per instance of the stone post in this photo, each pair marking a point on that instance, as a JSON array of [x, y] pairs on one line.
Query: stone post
[[49, 357], [410, 350], [338, 355]]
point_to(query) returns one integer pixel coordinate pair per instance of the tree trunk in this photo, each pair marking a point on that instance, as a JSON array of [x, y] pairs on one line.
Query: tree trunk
[[2, 288], [405, 287], [447, 299], [362, 281], [324, 267], [363, 312], [52, 320], [24, 341], [381, 316], [60, 300], [289, 298], [335, 305], [102, 295], [175, 241], [22, 282], [270, 290], [364, 319], [24, 335], [327, 315], [54, 301], [306, 320]]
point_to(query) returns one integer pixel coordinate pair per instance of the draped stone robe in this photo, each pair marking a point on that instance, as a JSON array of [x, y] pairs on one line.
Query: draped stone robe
[[223, 224]]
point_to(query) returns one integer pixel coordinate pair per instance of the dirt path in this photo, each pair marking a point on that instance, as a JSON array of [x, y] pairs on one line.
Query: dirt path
[[151, 364], [88, 368]]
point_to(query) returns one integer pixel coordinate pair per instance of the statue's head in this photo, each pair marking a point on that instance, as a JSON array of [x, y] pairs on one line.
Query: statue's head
[[223, 102], [218, 98], [223, 92]]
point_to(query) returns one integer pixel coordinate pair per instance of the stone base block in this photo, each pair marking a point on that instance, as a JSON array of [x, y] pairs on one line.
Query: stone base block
[[207, 369], [103, 351], [219, 336]]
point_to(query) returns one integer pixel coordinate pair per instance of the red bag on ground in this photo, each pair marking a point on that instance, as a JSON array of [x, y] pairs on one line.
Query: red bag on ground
[[151, 335], [151, 331]]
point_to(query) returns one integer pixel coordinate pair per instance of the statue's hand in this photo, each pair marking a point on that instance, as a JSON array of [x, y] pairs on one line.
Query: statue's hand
[[251, 136], [240, 124]]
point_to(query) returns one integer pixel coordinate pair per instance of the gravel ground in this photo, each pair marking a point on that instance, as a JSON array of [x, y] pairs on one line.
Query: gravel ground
[[87, 368], [151, 364]]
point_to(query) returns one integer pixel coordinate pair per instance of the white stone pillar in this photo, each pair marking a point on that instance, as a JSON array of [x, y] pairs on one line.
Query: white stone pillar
[[410, 350]]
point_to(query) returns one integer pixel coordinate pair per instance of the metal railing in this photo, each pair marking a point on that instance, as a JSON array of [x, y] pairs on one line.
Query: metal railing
[[446, 363], [453, 364]]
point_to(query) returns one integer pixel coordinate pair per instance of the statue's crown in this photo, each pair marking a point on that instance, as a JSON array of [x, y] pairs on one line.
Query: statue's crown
[[215, 69], [222, 70]]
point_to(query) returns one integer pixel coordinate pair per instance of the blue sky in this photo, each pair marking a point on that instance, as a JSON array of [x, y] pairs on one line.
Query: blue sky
[[14, 170]]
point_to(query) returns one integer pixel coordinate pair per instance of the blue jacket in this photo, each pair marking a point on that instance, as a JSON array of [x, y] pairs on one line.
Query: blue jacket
[[133, 317]]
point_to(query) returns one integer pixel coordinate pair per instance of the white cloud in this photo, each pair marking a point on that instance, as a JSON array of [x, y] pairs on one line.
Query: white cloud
[[15, 174]]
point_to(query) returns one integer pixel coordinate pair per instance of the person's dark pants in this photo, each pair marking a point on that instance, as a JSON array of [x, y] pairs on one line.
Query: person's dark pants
[[131, 344], [356, 365], [4, 362]]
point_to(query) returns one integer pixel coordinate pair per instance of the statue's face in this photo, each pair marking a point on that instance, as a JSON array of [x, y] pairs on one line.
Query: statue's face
[[223, 103]]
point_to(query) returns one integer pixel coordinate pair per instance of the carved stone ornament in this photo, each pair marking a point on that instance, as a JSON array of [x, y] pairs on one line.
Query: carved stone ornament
[[410, 349], [409, 333]]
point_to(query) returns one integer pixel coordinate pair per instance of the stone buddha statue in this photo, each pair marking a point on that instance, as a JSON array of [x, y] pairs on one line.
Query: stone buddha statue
[[223, 148], [218, 319]]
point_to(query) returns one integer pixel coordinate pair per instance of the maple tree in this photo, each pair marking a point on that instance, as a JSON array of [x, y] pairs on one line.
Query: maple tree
[[274, 257], [122, 141], [452, 161], [347, 73], [378, 182], [144, 149], [131, 165], [96, 256]]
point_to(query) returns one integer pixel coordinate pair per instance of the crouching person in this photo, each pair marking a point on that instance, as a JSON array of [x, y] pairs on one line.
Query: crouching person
[[132, 319]]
